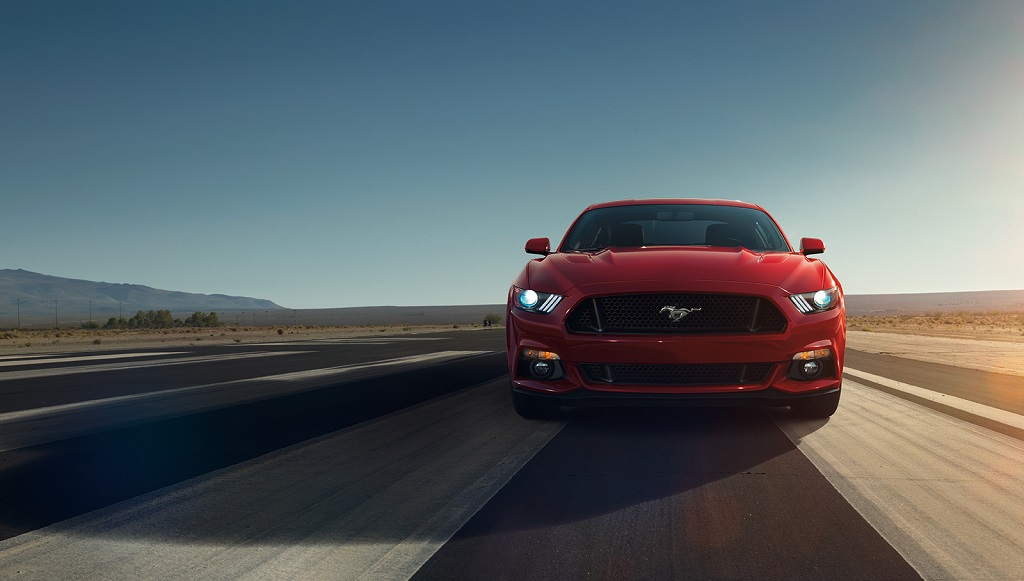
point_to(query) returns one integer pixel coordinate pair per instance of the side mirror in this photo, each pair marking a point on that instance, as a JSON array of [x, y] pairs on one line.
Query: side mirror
[[540, 246], [810, 246]]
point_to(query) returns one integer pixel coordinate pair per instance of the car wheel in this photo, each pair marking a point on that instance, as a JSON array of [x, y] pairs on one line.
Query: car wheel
[[531, 408], [819, 407]]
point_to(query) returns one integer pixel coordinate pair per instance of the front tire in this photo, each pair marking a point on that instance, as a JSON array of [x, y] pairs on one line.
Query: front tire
[[531, 408], [820, 407]]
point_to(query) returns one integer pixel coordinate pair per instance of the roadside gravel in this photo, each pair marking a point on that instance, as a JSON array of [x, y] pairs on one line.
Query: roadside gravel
[[982, 354]]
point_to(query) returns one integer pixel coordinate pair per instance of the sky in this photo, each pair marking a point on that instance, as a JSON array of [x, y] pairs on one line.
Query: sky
[[337, 154]]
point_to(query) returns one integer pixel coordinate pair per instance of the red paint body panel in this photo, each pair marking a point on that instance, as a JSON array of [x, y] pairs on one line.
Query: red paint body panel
[[709, 270]]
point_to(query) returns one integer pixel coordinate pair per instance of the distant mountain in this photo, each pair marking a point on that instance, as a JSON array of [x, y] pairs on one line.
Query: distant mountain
[[33, 294]]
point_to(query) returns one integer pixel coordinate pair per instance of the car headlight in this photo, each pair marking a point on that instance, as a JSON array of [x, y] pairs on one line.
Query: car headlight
[[816, 302], [533, 301]]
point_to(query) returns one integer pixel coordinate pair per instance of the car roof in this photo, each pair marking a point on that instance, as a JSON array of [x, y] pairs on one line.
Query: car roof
[[696, 201]]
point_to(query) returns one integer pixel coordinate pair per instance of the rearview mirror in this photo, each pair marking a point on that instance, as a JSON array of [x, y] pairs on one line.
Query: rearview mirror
[[540, 246], [810, 246]]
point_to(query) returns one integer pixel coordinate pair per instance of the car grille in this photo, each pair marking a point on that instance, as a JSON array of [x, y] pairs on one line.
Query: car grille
[[704, 374], [676, 314]]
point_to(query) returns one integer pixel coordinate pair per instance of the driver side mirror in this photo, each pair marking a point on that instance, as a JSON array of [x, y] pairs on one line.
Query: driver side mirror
[[540, 246], [810, 246]]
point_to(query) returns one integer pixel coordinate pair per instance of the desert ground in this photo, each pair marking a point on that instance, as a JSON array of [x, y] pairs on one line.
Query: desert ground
[[996, 326], [984, 341]]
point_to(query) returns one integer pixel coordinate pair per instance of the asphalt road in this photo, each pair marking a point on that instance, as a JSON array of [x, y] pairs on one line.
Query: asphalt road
[[402, 457]]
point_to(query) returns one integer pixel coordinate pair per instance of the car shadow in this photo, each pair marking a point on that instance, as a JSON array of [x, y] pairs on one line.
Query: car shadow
[[605, 460]]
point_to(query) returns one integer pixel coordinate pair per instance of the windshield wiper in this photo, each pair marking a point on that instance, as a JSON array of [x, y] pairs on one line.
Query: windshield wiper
[[594, 249]]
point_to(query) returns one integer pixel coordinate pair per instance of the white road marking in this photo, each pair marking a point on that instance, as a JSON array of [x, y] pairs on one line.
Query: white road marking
[[987, 412], [351, 341], [40, 425], [74, 370], [945, 493], [331, 371], [372, 501], [404, 559], [37, 359]]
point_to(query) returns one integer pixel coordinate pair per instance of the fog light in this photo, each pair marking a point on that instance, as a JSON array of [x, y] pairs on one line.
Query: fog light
[[541, 369], [811, 365], [810, 369], [540, 365]]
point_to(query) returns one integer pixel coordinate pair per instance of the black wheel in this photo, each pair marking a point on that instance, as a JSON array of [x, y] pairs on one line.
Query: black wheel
[[531, 408], [819, 407]]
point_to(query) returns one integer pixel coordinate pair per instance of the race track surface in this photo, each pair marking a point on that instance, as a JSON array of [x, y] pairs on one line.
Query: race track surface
[[399, 457]]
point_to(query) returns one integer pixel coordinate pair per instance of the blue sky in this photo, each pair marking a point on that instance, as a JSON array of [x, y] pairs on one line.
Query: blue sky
[[336, 154]]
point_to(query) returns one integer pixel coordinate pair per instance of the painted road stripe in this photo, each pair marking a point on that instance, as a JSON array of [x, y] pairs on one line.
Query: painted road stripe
[[58, 371], [43, 359], [351, 341], [945, 493], [405, 558], [974, 408], [370, 500], [40, 425]]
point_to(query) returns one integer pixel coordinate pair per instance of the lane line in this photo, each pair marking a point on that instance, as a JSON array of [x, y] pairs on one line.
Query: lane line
[[23, 428], [352, 341], [42, 359], [356, 502], [973, 408], [331, 371], [411, 553], [59, 371], [945, 493]]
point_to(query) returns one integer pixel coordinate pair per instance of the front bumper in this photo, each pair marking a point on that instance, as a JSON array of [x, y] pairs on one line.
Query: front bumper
[[548, 333]]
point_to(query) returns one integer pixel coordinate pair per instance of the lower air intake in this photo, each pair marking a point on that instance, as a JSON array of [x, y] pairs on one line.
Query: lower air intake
[[705, 374]]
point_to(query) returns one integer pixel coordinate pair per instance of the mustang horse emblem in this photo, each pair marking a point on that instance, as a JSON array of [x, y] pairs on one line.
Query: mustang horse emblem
[[675, 315]]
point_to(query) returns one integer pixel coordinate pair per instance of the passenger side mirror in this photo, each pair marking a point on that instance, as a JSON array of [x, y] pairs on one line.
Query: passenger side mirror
[[540, 246], [810, 246]]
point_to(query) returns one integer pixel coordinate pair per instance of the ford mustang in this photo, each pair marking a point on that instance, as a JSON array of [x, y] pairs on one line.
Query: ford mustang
[[666, 302]]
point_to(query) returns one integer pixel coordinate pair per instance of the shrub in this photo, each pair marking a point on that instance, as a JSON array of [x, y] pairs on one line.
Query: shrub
[[163, 320]]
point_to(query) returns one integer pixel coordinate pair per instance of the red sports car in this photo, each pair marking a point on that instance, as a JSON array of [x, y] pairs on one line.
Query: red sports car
[[676, 302]]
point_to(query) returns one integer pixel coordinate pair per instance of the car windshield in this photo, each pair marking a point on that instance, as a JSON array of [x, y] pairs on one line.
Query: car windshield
[[674, 225]]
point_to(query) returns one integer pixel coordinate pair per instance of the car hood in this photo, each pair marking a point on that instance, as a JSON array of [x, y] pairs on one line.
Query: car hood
[[678, 267]]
